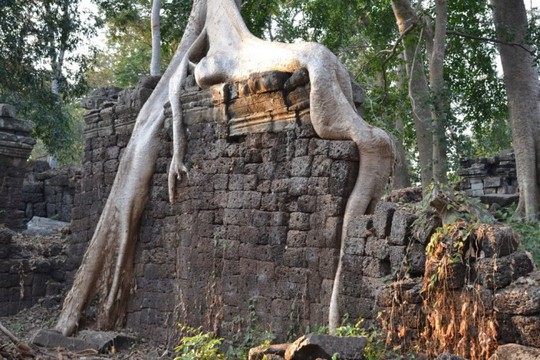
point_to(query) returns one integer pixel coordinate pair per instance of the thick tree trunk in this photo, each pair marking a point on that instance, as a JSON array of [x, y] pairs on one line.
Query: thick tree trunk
[[523, 91], [156, 38], [436, 82], [107, 266], [418, 86], [401, 178]]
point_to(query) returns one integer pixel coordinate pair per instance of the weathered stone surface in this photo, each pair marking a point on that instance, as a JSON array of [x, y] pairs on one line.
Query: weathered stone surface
[[382, 218], [528, 328], [515, 352], [268, 352], [8, 111], [101, 341], [520, 298], [499, 241], [494, 273], [15, 147], [416, 259], [400, 233], [53, 339], [325, 346], [360, 226], [6, 235], [44, 226]]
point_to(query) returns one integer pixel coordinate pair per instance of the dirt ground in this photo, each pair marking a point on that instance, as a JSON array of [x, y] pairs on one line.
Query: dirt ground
[[44, 314], [27, 322]]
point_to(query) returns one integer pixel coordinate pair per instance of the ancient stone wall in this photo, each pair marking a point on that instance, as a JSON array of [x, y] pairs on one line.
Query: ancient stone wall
[[49, 192], [489, 176], [256, 228], [491, 289], [15, 147], [31, 271]]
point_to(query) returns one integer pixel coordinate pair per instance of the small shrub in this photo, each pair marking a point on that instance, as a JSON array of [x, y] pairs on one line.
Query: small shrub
[[197, 345]]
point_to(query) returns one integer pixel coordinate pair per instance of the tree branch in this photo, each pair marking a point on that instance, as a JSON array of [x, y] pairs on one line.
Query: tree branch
[[393, 52], [481, 38]]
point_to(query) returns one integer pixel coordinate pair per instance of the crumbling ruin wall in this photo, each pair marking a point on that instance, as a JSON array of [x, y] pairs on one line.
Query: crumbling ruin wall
[[489, 176], [257, 226], [31, 271], [49, 192], [15, 147]]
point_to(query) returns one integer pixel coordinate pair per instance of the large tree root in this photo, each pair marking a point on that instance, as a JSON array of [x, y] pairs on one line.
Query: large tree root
[[218, 40]]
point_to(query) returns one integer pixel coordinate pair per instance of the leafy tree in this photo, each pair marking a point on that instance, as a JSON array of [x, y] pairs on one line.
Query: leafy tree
[[130, 39], [38, 39]]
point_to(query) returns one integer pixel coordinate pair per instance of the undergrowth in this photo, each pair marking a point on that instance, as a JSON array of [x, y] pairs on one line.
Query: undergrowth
[[197, 345], [529, 232], [452, 316]]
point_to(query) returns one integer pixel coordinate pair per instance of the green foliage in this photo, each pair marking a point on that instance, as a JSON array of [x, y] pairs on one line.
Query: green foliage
[[37, 40], [375, 348], [249, 334], [197, 345], [529, 232]]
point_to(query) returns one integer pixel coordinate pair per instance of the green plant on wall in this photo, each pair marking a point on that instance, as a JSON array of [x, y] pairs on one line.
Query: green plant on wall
[[249, 334], [197, 345], [375, 348]]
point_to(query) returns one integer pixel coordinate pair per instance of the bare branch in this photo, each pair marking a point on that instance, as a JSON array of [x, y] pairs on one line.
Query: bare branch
[[393, 52], [481, 38]]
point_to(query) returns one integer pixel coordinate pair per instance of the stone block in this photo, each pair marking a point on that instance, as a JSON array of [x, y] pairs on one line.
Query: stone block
[[498, 241], [376, 268], [416, 259], [321, 166], [382, 218], [527, 329], [299, 221], [401, 228], [377, 248], [342, 178], [522, 264], [8, 111], [354, 246], [516, 351], [53, 339], [298, 186], [268, 352], [318, 146], [325, 346], [307, 203], [520, 298], [397, 256], [330, 205], [301, 166], [360, 226], [343, 150]]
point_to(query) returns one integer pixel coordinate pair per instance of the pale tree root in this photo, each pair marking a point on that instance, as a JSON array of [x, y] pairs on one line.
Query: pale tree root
[[107, 266], [373, 176]]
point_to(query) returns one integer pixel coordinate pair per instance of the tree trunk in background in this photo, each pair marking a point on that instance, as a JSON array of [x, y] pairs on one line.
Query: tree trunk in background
[[401, 177], [418, 86], [523, 91], [436, 82], [156, 39]]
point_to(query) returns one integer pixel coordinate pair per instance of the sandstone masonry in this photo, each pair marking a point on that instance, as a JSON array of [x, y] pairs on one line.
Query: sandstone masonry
[[15, 147]]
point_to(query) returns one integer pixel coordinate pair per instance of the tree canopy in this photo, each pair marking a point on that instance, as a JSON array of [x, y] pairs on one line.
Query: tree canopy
[[40, 71]]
